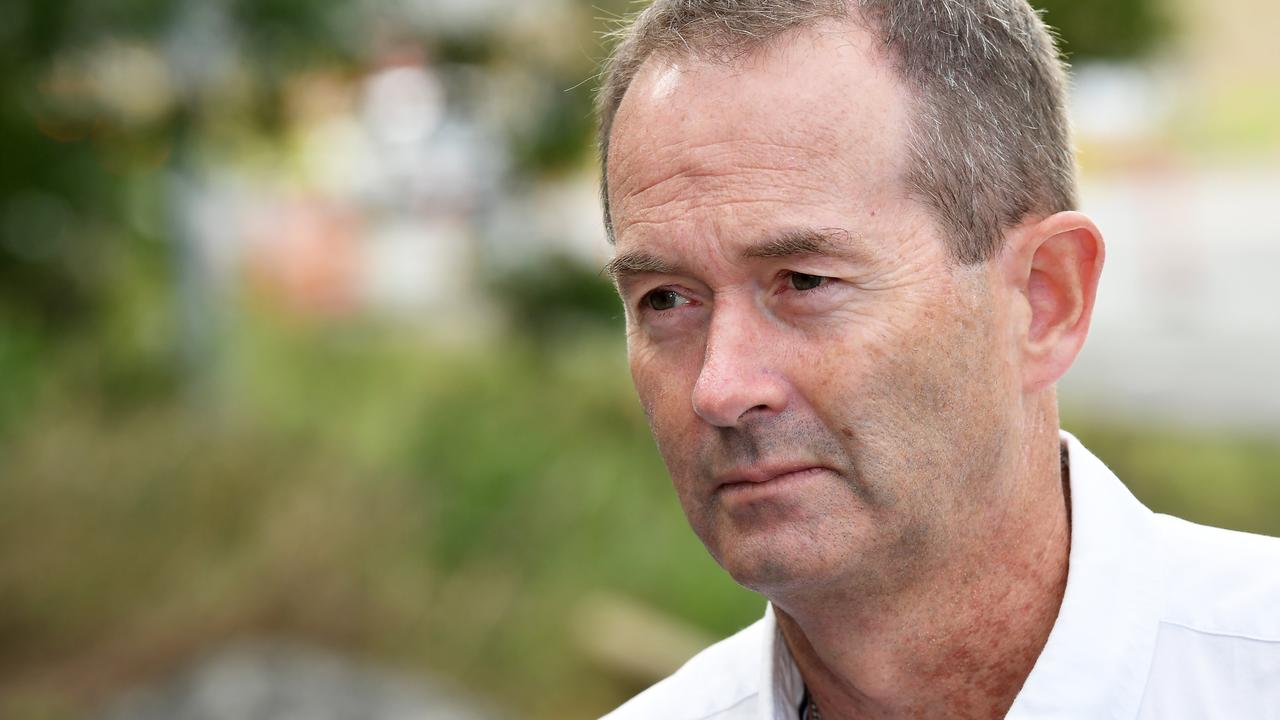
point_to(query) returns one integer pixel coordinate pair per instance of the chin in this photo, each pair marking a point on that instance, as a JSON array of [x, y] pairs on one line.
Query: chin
[[774, 564]]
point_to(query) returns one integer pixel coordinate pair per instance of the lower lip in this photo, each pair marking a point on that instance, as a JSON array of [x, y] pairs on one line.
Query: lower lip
[[749, 491]]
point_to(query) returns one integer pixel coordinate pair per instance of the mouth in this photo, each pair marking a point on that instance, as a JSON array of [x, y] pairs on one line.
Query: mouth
[[758, 481]]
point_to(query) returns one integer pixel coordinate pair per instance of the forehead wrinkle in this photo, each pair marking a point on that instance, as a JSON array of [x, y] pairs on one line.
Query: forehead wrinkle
[[675, 223], [678, 197], [701, 187], [681, 205], [642, 163], [696, 159], [791, 242]]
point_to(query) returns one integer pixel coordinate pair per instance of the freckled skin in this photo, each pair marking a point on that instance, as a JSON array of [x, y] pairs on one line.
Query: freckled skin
[[900, 378]]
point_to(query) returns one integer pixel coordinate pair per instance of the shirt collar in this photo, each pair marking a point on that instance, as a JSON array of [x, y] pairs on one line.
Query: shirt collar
[[781, 687], [1096, 660]]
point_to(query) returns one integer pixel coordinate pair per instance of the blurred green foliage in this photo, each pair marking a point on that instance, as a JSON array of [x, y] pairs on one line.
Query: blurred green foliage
[[75, 162], [449, 510], [1106, 29], [557, 141], [557, 296], [1215, 477]]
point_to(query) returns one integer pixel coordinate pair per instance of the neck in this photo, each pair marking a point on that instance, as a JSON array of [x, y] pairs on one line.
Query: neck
[[960, 643]]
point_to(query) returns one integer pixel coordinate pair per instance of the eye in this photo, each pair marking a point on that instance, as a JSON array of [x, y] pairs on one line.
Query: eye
[[663, 300], [804, 281]]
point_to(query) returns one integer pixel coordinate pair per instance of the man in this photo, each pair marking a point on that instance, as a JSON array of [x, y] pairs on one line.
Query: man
[[852, 274]]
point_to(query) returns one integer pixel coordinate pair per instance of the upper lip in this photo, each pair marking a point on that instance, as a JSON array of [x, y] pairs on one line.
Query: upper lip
[[761, 473]]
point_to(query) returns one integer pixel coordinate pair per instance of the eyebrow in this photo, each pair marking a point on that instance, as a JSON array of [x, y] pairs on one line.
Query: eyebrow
[[638, 262], [833, 242]]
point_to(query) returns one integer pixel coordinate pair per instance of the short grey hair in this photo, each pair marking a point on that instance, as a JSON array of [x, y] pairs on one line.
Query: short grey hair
[[990, 142]]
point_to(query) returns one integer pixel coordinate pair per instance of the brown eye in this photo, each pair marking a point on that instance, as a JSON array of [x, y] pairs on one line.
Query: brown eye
[[662, 299], [803, 281]]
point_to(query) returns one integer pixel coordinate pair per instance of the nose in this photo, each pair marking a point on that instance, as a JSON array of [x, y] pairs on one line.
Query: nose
[[738, 376]]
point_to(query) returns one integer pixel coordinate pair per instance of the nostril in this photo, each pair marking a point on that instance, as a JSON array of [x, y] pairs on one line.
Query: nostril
[[761, 410]]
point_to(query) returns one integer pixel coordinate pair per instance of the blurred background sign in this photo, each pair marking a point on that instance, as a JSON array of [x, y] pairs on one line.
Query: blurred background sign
[[308, 363]]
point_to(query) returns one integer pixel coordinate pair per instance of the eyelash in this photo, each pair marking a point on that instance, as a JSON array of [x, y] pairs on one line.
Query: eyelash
[[647, 298], [787, 276]]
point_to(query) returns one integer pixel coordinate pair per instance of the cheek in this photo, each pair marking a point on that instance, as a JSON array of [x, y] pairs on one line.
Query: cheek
[[892, 388], [843, 374], [665, 391], [664, 384]]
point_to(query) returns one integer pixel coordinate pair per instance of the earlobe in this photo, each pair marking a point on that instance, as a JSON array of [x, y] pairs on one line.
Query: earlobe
[[1060, 261]]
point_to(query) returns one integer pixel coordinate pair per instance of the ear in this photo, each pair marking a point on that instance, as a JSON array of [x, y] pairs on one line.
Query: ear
[[1053, 268]]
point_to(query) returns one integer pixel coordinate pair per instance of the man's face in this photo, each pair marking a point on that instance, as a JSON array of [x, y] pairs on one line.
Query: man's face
[[828, 391]]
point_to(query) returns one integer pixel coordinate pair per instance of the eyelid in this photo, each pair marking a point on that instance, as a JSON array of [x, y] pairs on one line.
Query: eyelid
[[642, 303], [785, 276]]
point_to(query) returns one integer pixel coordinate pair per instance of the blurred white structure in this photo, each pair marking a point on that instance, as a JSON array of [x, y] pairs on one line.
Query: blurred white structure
[[1187, 326], [280, 681]]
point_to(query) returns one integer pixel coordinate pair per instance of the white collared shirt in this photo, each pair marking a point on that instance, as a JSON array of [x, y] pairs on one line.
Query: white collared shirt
[[1161, 619]]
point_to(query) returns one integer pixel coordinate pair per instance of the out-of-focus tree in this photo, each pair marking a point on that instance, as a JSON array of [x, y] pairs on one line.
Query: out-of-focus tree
[[102, 107], [559, 295], [1106, 29], [95, 98]]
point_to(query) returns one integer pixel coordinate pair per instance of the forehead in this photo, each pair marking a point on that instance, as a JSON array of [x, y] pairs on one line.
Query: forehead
[[808, 128]]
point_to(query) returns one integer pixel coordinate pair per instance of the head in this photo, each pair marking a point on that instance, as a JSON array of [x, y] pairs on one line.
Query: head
[[851, 272], [988, 140]]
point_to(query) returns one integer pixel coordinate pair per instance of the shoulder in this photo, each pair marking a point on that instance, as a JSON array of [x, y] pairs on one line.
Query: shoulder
[[715, 682], [1217, 646], [1220, 582]]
